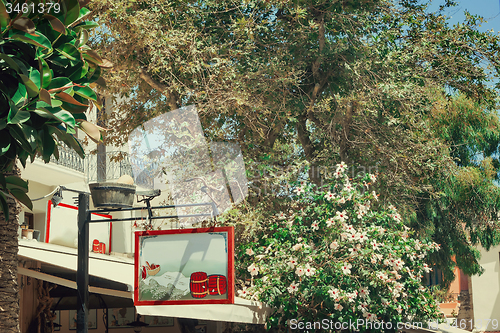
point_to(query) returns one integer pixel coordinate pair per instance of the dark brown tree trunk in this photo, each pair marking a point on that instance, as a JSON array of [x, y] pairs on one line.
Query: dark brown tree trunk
[[9, 291]]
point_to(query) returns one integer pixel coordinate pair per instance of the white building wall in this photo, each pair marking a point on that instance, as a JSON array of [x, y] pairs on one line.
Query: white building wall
[[486, 291]]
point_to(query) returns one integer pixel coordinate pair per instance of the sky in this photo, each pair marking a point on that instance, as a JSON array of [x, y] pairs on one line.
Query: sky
[[489, 9]]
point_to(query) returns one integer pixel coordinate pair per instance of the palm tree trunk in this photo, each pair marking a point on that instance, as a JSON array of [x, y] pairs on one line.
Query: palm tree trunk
[[9, 291]]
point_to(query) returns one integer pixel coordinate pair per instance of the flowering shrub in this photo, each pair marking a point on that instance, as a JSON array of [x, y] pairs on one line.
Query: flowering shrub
[[333, 257]]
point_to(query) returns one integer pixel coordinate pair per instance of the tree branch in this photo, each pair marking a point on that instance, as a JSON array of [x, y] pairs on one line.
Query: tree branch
[[162, 88], [346, 126]]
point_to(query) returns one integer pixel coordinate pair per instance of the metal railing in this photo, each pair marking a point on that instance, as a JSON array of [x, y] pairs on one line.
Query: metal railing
[[69, 159], [107, 166]]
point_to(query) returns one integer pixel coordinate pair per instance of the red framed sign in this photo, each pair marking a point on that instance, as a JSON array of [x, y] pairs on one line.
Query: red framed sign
[[184, 266]]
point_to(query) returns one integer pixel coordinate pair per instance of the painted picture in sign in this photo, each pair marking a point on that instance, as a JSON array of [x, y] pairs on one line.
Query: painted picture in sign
[[187, 266]]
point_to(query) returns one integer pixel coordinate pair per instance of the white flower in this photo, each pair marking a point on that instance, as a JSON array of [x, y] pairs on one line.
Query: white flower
[[342, 166], [363, 307], [354, 251], [342, 200], [427, 269], [346, 268], [399, 309], [338, 307], [254, 270], [361, 236], [348, 186], [297, 247], [375, 195], [299, 190], [417, 245], [364, 292], [315, 226], [329, 196], [250, 252], [299, 271], [338, 174], [292, 263], [373, 178], [330, 222], [244, 292], [341, 216], [309, 270], [293, 287], [260, 256], [334, 293], [281, 216], [334, 245], [352, 296], [369, 316]]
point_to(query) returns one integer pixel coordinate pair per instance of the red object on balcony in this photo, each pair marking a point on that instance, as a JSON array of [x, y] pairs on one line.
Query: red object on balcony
[[199, 284], [217, 284], [102, 248]]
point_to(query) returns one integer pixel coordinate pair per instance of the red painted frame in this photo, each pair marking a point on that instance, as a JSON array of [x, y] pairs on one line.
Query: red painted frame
[[49, 215], [230, 265]]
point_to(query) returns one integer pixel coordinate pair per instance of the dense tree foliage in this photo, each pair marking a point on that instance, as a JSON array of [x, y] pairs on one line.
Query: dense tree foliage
[[310, 83]]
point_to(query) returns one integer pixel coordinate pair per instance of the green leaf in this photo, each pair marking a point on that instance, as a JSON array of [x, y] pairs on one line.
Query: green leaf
[[68, 139], [31, 87], [17, 133], [69, 51], [56, 24], [58, 114], [5, 206], [71, 10], [78, 72], [16, 116], [47, 73], [93, 57], [10, 62], [21, 94], [59, 82], [67, 98], [87, 25], [4, 145], [45, 97], [17, 182], [22, 197], [86, 92], [4, 16], [35, 78], [83, 38], [48, 144], [38, 40]]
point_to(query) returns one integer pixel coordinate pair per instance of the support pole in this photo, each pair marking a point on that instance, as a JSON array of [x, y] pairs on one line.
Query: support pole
[[82, 276]]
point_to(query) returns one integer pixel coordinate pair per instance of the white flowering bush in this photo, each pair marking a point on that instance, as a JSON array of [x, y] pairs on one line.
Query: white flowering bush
[[334, 257]]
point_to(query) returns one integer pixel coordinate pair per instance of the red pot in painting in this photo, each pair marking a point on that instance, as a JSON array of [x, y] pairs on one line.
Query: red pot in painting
[[199, 284], [95, 245], [217, 284]]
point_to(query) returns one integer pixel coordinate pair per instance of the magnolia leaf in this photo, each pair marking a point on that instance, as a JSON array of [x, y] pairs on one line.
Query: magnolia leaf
[[86, 93], [63, 116], [106, 64], [31, 87], [69, 99], [69, 51], [24, 24], [92, 56], [56, 24], [45, 96], [71, 10], [38, 39], [22, 197], [83, 38], [16, 182], [10, 62], [4, 16], [92, 130], [47, 73], [85, 26]]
